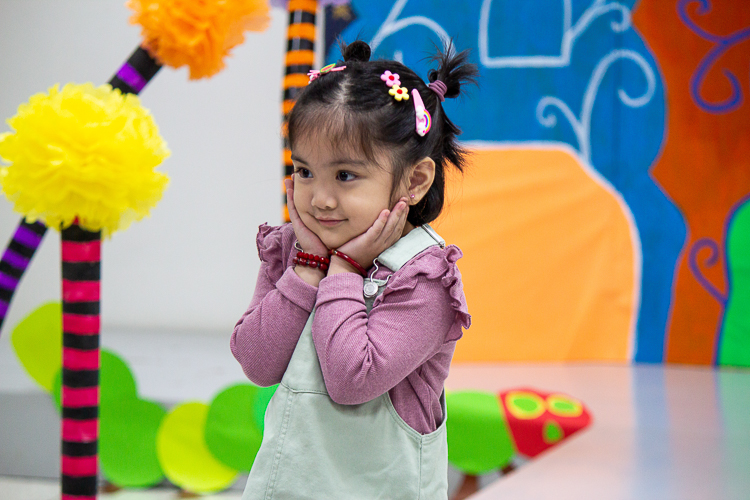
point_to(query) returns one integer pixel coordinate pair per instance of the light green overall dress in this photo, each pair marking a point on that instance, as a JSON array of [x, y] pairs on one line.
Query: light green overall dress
[[314, 448]]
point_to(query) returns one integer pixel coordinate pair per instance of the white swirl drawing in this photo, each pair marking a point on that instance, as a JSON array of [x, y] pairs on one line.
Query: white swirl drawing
[[570, 35], [392, 24], [582, 127]]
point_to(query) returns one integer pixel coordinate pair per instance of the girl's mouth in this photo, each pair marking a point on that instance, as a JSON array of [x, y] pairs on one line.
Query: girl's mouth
[[329, 222]]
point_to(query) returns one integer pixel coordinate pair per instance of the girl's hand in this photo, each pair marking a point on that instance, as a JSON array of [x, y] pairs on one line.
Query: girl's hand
[[384, 232], [308, 241]]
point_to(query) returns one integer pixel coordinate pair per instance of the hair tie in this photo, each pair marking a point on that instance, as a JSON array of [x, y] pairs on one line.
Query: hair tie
[[439, 88]]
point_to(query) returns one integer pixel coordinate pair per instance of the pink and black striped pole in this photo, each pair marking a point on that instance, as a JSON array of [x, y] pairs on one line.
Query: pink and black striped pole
[[81, 265]]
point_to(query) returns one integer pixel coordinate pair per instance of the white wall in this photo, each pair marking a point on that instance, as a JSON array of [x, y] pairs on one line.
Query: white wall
[[192, 264]]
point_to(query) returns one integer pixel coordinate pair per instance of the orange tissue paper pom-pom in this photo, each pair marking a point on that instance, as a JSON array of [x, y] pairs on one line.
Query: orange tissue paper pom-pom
[[197, 33]]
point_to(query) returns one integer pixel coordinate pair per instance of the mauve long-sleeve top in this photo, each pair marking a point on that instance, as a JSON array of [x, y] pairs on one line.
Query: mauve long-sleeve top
[[403, 346]]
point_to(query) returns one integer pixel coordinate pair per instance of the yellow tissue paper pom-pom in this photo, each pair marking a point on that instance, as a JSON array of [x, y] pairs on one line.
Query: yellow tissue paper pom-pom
[[197, 33], [85, 153]]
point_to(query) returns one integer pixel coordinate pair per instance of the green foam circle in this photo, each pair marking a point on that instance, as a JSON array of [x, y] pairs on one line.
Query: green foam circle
[[232, 433], [183, 454], [127, 442], [478, 437], [37, 341], [116, 382]]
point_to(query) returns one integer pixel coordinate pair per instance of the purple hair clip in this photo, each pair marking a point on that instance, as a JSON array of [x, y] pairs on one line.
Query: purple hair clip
[[313, 74]]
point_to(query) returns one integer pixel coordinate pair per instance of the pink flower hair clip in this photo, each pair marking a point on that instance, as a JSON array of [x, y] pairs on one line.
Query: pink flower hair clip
[[313, 74], [390, 79]]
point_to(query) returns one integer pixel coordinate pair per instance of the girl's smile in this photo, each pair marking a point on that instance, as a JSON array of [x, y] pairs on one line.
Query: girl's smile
[[329, 222]]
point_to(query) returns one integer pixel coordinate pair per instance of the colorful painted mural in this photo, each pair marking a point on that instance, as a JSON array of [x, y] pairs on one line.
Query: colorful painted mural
[[606, 215]]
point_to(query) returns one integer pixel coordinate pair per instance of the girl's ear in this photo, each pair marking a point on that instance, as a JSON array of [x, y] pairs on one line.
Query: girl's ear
[[420, 179]]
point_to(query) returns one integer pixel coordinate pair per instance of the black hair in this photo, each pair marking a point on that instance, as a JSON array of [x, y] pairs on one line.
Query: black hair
[[354, 109]]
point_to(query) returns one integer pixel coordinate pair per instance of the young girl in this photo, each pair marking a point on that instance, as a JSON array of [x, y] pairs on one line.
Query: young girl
[[359, 303]]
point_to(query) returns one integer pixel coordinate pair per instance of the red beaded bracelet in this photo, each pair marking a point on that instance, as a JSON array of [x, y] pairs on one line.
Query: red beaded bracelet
[[351, 261], [311, 260]]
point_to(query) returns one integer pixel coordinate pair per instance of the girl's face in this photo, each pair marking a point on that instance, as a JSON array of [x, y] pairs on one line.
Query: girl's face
[[337, 192]]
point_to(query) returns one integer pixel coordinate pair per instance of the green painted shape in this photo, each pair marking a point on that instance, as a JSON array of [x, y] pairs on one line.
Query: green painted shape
[[127, 442], [479, 440], [526, 404], [37, 341], [232, 434], [552, 432], [735, 336], [564, 406]]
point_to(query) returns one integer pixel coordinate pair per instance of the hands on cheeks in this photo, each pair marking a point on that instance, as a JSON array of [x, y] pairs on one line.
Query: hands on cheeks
[[308, 241], [384, 232]]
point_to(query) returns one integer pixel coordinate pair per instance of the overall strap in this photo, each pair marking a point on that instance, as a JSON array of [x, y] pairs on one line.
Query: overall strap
[[401, 252]]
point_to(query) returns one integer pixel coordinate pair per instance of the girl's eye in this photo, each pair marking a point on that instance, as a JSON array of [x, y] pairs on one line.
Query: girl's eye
[[303, 172], [345, 176]]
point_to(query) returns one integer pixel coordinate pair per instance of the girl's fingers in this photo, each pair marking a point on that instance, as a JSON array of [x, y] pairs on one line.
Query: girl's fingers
[[377, 227], [396, 221], [293, 215]]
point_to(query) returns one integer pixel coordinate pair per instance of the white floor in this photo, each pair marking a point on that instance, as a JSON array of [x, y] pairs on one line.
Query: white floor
[[659, 432]]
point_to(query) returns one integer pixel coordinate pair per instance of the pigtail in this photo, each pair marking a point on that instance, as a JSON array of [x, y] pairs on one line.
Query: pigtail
[[454, 70]]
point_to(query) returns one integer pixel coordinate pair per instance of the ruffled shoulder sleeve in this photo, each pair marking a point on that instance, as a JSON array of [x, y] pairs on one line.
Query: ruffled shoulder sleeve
[[274, 247], [435, 264]]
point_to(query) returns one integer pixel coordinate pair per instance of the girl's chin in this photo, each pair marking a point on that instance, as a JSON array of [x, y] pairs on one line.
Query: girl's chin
[[332, 242]]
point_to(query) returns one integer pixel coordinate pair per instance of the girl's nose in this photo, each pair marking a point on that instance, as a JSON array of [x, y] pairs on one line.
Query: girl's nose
[[323, 200]]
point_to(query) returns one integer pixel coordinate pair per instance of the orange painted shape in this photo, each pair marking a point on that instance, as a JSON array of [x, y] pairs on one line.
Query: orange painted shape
[[703, 166], [548, 267]]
